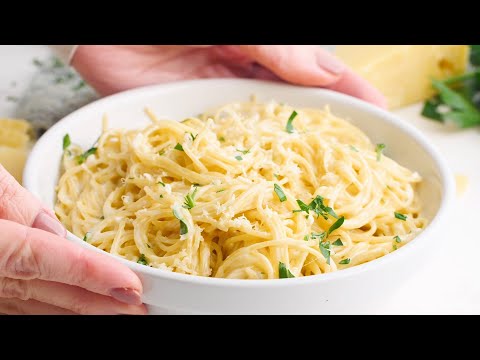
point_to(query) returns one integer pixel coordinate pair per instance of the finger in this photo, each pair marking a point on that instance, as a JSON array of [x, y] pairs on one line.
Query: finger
[[19, 205], [28, 253], [30, 307], [68, 297], [298, 64], [352, 84]]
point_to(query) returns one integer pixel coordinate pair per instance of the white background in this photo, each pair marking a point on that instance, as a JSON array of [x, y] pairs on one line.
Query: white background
[[449, 283]]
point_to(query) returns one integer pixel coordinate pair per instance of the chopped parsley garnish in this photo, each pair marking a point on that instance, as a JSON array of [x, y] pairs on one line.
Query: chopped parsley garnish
[[244, 152], [221, 190], [379, 150], [183, 225], [353, 148], [83, 157], [161, 183], [394, 247], [142, 260], [397, 239], [283, 272], [149, 246], [303, 207], [305, 238], [289, 127], [193, 136], [221, 138], [325, 250], [161, 152], [400, 216], [190, 200], [161, 196], [37, 62], [66, 141], [337, 242], [281, 195], [345, 261], [319, 236], [335, 225], [80, 85], [12, 98], [239, 158], [318, 207], [322, 236], [86, 237], [179, 147]]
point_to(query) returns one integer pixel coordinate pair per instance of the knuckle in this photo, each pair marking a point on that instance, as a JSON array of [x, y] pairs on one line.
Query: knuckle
[[81, 271], [18, 260], [14, 288]]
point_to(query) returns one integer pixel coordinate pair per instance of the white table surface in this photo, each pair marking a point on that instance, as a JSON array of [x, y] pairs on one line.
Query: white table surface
[[450, 281]]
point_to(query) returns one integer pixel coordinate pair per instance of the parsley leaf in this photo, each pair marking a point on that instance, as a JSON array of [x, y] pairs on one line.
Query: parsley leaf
[[179, 147], [475, 55], [239, 158], [142, 260], [289, 127], [462, 111], [397, 239], [183, 225], [161, 183], [281, 195], [318, 207], [353, 148], [338, 242], [345, 261], [83, 157], [400, 216], [190, 200], [379, 150], [221, 138], [305, 238], [244, 152], [193, 136], [283, 272], [87, 236], [325, 250], [335, 225], [79, 86], [66, 141]]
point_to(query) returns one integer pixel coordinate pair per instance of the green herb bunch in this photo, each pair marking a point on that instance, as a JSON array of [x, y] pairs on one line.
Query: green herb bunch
[[458, 99]]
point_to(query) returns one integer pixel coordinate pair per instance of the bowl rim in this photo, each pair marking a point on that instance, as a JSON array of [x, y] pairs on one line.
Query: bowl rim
[[446, 179]]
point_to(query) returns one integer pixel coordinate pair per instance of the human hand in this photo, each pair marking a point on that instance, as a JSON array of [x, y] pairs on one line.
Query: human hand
[[43, 273], [113, 68]]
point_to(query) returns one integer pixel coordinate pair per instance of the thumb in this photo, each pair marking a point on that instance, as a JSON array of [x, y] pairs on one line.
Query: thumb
[[20, 206], [307, 65]]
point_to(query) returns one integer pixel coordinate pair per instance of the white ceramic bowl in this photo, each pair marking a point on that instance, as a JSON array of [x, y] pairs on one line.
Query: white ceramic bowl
[[360, 289]]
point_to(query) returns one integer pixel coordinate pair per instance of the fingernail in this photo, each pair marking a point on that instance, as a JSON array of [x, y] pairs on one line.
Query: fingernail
[[126, 295], [44, 221], [330, 63]]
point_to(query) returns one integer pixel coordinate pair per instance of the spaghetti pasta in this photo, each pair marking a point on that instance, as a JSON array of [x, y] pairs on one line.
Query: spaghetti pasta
[[239, 192]]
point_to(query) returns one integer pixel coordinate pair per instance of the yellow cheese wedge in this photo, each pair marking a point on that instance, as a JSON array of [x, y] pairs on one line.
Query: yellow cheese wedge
[[14, 145], [13, 160], [403, 73]]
